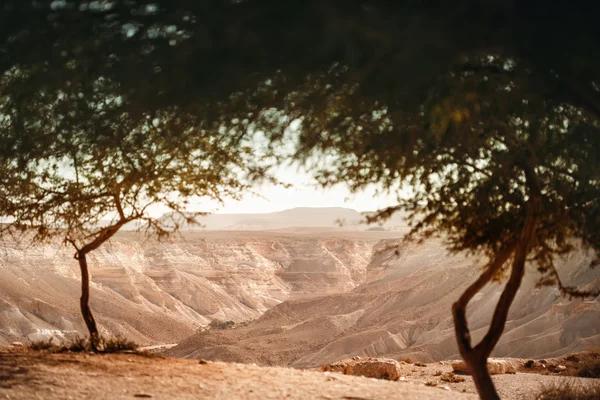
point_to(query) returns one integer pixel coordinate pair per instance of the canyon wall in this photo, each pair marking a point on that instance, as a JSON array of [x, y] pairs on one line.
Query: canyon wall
[[161, 292], [403, 309]]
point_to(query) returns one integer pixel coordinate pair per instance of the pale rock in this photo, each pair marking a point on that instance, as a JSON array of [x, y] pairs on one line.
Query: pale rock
[[16, 344], [495, 367], [556, 368]]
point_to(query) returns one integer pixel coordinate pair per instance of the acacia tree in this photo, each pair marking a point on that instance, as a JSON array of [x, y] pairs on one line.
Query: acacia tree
[[75, 165], [493, 167]]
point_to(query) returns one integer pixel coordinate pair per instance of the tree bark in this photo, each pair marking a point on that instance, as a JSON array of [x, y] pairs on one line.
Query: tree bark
[[84, 301], [476, 357], [482, 379]]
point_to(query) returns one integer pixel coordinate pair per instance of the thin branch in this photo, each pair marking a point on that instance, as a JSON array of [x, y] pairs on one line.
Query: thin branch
[[118, 204], [105, 234], [74, 244], [572, 291]]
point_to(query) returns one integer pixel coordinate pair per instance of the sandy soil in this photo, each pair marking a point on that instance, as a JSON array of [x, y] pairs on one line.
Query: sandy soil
[[33, 375], [37, 375]]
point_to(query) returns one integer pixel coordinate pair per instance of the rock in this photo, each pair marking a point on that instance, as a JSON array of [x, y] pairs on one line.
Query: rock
[[370, 367], [556, 368], [17, 344], [495, 367], [540, 364]]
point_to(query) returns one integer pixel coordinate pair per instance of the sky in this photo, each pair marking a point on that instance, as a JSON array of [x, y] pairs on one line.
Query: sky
[[303, 193]]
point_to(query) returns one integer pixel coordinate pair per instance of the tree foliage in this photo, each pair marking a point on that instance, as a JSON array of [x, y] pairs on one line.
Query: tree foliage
[[72, 161]]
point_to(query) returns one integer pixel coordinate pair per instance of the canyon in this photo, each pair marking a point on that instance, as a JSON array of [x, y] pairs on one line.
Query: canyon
[[301, 289]]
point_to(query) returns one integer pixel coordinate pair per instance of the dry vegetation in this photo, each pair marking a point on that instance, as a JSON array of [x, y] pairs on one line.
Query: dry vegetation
[[79, 345], [569, 390], [589, 369]]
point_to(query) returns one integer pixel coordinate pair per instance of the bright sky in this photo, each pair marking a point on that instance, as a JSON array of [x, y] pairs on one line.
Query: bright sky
[[304, 193]]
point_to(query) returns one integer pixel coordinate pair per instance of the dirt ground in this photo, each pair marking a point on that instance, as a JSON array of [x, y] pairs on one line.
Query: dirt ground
[[26, 374]]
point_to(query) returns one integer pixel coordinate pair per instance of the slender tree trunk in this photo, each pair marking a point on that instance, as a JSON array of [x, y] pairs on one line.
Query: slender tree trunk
[[84, 301], [482, 379], [476, 357]]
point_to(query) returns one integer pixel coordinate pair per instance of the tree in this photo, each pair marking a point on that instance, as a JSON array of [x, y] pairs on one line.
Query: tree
[[75, 165], [492, 166]]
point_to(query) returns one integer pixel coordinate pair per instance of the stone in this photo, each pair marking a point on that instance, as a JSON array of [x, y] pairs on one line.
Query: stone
[[17, 344], [370, 367], [556, 368], [495, 367]]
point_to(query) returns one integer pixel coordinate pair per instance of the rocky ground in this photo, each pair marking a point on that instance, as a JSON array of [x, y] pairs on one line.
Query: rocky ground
[[25, 374]]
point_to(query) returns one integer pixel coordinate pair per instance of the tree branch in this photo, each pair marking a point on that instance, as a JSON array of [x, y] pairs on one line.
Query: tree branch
[[487, 344], [461, 326], [105, 234]]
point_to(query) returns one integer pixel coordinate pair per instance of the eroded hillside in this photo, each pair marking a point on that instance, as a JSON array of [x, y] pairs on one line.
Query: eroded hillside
[[403, 310], [161, 292]]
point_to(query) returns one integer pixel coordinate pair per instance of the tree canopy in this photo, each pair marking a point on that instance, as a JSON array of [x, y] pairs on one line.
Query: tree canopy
[[187, 51]]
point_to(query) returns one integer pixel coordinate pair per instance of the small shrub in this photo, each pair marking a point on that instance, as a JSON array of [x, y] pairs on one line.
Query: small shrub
[[589, 369], [569, 390], [244, 323], [80, 345], [117, 345], [43, 345], [420, 364], [221, 325], [451, 377], [431, 383], [529, 364], [76, 345]]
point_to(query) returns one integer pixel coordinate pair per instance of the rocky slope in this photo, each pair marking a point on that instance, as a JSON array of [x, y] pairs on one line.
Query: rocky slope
[[161, 292], [403, 310]]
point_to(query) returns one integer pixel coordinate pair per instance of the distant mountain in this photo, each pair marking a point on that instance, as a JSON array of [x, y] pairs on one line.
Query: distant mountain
[[300, 217]]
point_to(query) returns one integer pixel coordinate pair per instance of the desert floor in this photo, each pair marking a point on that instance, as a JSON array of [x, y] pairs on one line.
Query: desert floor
[[26, 374]]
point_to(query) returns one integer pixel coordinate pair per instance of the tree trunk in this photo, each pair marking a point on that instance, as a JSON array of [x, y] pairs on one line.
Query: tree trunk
[[84, 301], [482, 379], [476, 357]]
